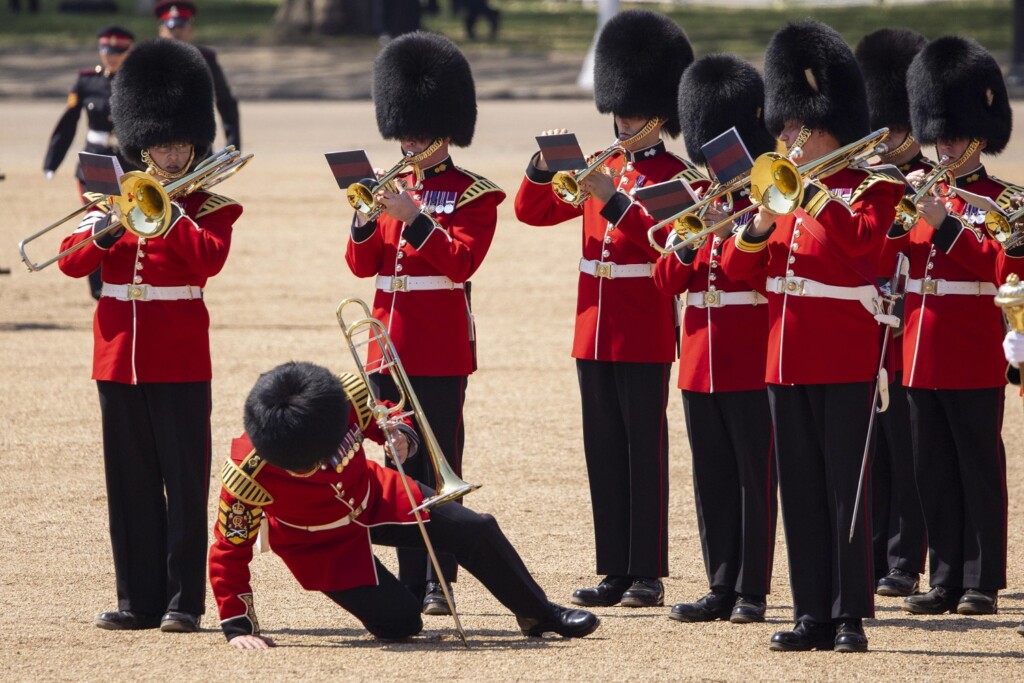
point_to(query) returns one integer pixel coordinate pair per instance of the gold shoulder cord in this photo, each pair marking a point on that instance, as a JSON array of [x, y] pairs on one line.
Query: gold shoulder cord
[[240, 480], [213, 203], [358, 395], [480, 187]]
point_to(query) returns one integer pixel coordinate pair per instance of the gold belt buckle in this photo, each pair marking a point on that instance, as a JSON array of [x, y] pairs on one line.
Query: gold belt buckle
[[399, 283], [795, 287], [711, 299], [137, 292], [929, 286], [603, 270]]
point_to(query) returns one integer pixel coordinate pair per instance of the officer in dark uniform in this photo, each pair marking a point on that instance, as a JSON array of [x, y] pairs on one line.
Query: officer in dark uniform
[[422, 251], [624, 342], [91, 92], [176, 22], [723, 347], [954, 368], [821, 263], [897, 522]]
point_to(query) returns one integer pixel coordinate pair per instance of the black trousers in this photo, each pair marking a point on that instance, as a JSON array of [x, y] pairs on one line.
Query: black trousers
[[734, 486], [899, 540], [156, 455], [625, 441], [961, 475], [820, 431], [442, 399], [391, 610]]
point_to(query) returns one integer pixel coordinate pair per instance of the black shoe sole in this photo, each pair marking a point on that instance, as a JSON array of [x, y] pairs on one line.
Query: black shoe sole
[[117, 626], [926, 611], [893, 592], [694, 618], [641, 602], [851, 647], [178, 627], [746, 618], [582, 634], [785, 647], [969, 610], [436, 609]]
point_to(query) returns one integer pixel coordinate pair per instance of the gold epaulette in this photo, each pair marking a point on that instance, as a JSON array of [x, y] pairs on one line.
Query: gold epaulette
[[690, 174], [213, 203], [872, 180], [358, 395], [240, 480], [1003, 200], [480, 187]]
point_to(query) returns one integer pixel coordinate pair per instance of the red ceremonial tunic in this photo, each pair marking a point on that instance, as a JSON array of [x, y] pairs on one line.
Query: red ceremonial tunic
[[894, 351], [617, 319], [721, 348], [335, 507], [432, 329], [954, 341], [134, 339], [818, 340]]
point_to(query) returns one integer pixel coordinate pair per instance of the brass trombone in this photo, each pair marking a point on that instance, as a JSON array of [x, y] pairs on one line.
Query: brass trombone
[[143, 207], [906, 210], [449, 486], [360, 194], [566, 184], [775, 183]]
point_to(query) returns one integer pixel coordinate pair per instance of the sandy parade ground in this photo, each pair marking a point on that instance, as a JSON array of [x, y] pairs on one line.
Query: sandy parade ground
[[274, 302]]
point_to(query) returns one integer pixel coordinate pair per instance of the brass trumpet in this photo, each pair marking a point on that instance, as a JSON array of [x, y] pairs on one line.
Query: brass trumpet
[[566, 184], [360, 194], [143, 208], [775, 183], [906, 210]]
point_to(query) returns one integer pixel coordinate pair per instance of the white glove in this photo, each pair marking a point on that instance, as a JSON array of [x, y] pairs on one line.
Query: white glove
[[1013, 348], [48, 174]]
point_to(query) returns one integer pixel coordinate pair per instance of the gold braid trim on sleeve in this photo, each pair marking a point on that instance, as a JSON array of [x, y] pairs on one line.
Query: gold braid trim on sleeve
[[1004, 198], [240, 481], [872, 180]]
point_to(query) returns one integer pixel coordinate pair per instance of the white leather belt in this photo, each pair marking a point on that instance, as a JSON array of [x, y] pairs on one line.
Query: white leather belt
[[798, 286], [411, 283], [716, 299], [867, 295], [101, 137], [942, 287], [344, 521], [151, 293], [607, 269]]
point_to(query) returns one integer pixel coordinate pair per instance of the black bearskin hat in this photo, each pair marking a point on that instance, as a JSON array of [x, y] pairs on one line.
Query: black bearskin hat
[[423, 88], [296, 415], [639, 58], [884, 57], [957, 92], [810, 75], [163, 93], [716, 93]]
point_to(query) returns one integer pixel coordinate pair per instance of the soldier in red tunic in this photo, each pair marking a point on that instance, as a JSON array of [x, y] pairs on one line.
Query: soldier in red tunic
[[423, 249], [820, 262], [151, 355], [302, 467], [625, 328], [723, 348], [897, 521], [953, 368]]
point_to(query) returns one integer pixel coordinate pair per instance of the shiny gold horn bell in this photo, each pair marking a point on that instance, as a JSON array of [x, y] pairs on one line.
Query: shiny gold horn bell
[[360, 194], [143, 207]]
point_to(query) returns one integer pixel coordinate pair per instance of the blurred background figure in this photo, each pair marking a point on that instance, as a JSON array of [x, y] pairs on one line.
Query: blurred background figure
[[91, 92], [33, 6], [177, 23], [474, 10]]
